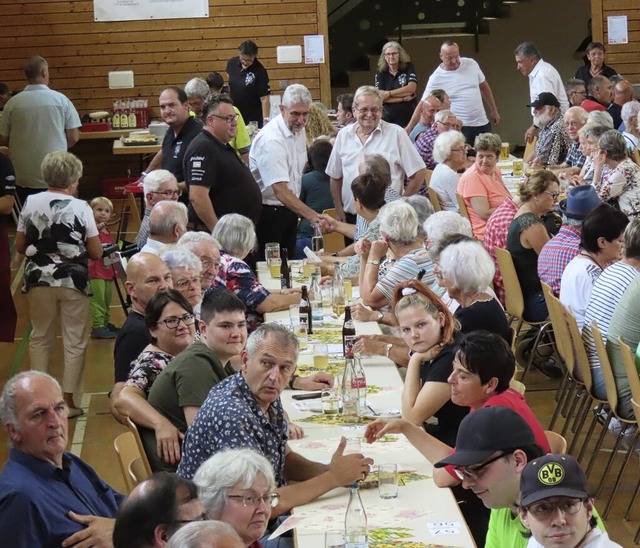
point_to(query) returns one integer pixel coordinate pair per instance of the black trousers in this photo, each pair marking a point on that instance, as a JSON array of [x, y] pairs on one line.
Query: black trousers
[[277, 224], [471, 132]]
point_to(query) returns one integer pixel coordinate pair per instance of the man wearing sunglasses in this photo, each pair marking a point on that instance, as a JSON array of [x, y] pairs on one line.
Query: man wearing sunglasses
[[556, 507]]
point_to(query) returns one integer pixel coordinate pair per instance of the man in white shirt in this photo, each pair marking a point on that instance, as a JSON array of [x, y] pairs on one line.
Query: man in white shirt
[[35, 122], [542, 77], [277, 157], [370, 135], [466, 85]]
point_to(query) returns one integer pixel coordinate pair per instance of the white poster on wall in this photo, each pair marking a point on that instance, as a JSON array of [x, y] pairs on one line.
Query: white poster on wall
[[617, 29], [132, 10]]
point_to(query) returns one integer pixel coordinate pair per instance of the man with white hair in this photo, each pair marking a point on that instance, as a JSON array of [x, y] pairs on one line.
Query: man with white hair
[[197, 91], [553, 141], [370, 134], [157, 185], [277, 158], [574, 120], [207, 533], [444, 121], [48, 497], [207, 249], [167, 224]]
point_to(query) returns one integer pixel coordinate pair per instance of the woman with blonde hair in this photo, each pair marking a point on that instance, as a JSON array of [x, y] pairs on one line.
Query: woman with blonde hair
[[396, 80], [318, 124], [429, 329]]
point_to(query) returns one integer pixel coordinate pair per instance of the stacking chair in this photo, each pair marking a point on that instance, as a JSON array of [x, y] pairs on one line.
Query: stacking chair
[[612, 398], [571, 388], [434, 199], [514, 300], [583, 373], [332, 241], [137, 473], [557, 443], [462, 207], [142, 454], [127, 450]]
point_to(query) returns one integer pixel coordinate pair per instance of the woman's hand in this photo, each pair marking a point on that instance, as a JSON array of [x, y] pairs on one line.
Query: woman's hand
[[168, 439], [361, 313], [379, 427], [427, 355], [379, 249], [367, 345], [291, 291], [363, 248]]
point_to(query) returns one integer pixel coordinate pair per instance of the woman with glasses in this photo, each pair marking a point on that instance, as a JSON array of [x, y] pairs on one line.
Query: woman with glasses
[[527, 235], [450, 153], [397, 82], [185, 268], [171, 323], [237, 486]]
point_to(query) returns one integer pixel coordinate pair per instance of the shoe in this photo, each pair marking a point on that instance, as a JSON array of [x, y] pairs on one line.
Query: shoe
[[75, 412], [113, 328], [102, 333], [547, 366], [523, 351]]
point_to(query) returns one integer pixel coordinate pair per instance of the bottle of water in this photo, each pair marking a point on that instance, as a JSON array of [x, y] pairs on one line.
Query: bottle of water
[[360, 382], [350, 392], [315, 296], [355, 520]]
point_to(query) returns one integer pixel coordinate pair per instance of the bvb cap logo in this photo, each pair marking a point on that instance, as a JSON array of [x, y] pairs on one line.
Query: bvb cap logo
[[551, 473]]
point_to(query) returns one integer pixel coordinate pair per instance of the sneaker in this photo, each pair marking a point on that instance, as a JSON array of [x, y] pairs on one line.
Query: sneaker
[[102, 333], [113, 328], [75, 412], [547, 366]]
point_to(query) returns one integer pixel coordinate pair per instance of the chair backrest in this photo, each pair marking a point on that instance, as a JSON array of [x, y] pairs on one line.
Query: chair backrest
[[557, 443], [462, 207], [529, 148], [137, 472], [434, 199], [630, 367], [605, 366], [127, 450], [332, 241], [636, 409], [142, 454], [518, 386], [513, 299], [561, 333], [582, 369]]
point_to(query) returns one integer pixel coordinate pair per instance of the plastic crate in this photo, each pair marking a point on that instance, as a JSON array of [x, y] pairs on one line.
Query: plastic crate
[[113, 187]]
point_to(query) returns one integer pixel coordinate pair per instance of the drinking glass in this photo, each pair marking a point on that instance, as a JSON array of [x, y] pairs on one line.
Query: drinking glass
[[272, 256], [388, 481]]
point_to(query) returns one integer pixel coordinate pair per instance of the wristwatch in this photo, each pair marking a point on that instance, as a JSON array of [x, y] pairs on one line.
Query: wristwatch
[[374, 261], [380, 316], [389, 347]]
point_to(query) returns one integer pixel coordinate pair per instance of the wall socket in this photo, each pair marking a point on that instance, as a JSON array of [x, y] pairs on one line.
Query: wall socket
[[283, 84]]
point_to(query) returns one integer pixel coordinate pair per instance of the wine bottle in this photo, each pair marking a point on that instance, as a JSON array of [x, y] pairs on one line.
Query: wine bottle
[[355, 520], [285, 270], [305, 311], [348, 333], [315, 298], [350, 392], [360, 382]]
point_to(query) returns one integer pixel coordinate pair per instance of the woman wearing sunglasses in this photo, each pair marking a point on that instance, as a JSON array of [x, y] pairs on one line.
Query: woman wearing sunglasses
[[171, 323]]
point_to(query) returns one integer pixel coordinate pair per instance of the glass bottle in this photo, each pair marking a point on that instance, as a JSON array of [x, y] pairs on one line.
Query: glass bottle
[[360, 381], [285, 270], [315, 298], [316, 241], [355, 520], [350, 392], [348, 334], [305, 311]]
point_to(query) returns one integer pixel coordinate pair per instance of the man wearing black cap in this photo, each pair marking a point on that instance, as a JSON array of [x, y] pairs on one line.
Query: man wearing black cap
[[556, 507], [553, 140]]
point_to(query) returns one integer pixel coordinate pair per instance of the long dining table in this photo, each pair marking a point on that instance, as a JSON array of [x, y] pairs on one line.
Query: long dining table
[[423, 515]]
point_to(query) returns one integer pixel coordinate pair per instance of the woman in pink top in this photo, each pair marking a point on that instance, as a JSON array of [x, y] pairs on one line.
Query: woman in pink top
[[481, 185]]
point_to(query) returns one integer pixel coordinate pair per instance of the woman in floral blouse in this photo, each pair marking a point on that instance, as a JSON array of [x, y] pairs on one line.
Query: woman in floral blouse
[[236, 235]]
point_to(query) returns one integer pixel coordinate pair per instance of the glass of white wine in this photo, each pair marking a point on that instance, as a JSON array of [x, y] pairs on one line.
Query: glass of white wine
[[338, 302]]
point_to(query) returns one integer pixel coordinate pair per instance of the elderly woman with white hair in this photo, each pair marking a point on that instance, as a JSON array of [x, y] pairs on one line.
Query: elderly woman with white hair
[[466, 270], [237, 237], [185, 268], [631, 133], [398, 235], [209, 533], [450, 151], [207, 249], [237, 486], [157, 185]]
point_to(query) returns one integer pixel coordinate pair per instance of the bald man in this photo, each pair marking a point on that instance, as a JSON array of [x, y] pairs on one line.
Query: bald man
[[147, 274], [167, 224]]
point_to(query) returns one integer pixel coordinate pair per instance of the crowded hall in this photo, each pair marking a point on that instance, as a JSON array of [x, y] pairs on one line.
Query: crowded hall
[[322, 274]]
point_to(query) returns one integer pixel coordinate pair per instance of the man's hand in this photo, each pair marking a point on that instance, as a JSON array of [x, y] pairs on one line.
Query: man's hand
[[361, 313], [97, 533], [368, 346], [168, 442], [379, 427], [495, 118], [317, 381], [295, 432], [530, 134], [346, 469]]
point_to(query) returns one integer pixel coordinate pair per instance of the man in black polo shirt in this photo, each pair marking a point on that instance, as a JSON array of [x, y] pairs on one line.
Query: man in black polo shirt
[[174, 108], [219, 181]]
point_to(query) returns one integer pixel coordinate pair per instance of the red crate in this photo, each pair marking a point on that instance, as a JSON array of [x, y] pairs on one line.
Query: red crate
[[113, 187]]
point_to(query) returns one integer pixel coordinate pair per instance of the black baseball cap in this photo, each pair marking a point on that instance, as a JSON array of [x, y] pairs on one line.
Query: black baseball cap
[[552, 476], [485, 431], [545, 98]]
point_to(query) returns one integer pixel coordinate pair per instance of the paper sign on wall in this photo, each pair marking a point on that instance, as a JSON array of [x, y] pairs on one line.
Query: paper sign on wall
[[132, 10], [313, 49], [617, 29]]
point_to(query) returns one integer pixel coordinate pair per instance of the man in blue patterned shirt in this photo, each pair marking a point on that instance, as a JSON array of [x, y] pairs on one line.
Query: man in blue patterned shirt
[[245, 411]]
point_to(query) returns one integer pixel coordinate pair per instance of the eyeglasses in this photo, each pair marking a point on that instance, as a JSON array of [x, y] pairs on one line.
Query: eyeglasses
[[296, 114], [447, 125], [476, 472], [172, 322], [168, 193], [572, 123], [459, 149], [450, 57], [208, 263], [228, 119], [391, 53], [584, 92], [542, 510], [375, 111], [183, 284], [270, 499], [553, 195]]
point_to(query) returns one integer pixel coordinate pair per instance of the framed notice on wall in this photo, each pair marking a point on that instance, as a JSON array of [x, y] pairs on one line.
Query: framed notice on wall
[[132, 10]]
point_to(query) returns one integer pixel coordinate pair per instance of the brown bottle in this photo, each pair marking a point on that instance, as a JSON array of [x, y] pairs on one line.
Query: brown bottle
[[305, 311], [285, 270], [348, 333]]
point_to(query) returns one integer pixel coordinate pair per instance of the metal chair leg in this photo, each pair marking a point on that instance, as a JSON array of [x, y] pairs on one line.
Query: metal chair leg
[[612, 458], [562, 403], [599, 443], [616, 484]]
